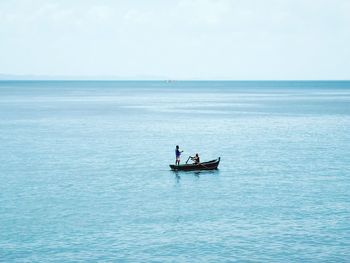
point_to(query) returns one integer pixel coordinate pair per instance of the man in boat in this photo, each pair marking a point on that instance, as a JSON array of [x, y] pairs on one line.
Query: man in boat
[[195, 159], [177, 154]]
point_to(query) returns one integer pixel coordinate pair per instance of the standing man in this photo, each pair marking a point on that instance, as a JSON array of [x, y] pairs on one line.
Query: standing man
[[177, 154]]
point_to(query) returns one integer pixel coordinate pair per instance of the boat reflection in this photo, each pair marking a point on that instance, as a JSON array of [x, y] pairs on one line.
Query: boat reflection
[[195, 173]]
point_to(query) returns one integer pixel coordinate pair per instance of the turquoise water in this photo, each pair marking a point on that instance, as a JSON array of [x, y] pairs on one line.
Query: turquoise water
[[84, 172]]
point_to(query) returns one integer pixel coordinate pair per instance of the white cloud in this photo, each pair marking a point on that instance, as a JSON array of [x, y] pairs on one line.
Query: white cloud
[[135, 16], [204, 12], [100, 13]]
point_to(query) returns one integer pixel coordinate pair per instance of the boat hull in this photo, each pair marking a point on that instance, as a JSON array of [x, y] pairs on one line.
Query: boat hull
[[211, 165]]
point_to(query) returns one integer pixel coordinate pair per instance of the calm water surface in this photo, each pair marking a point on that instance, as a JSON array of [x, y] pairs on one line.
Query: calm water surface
[[84, 172]]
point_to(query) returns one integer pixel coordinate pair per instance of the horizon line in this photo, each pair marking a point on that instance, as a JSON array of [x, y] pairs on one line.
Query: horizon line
[[172, 80]]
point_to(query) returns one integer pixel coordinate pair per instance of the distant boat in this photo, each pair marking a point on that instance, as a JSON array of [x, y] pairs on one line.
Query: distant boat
[[211, 165]]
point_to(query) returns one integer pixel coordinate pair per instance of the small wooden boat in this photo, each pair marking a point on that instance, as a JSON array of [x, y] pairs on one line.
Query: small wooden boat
[[211, 165]]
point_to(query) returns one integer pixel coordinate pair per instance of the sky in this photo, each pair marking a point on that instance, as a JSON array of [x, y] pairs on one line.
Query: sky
[[176, 39]]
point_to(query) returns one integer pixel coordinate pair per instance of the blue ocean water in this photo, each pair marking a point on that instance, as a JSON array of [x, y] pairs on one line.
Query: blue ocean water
[[84, 172]]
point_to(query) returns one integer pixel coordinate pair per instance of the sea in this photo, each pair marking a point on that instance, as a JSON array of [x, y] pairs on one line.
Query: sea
[[85, 176]]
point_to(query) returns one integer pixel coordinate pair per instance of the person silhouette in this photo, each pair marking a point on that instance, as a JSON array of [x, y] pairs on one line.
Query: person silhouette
[[177, 154]]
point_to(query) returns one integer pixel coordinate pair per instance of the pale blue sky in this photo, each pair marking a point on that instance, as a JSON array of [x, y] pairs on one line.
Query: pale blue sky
[[179, 39]]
